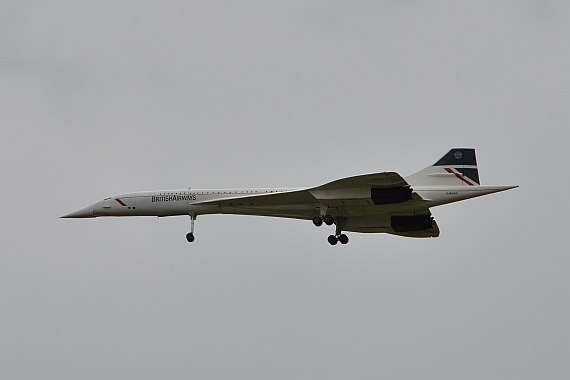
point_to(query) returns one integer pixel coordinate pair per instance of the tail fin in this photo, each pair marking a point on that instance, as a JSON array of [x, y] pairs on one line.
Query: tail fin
[[457, 168]]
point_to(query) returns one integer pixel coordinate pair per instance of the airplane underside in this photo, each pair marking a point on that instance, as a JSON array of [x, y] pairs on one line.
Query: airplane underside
[[405, 223]]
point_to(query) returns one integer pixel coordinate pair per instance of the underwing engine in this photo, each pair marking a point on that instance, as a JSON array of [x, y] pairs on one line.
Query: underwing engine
[[388, 195], [411, 223]]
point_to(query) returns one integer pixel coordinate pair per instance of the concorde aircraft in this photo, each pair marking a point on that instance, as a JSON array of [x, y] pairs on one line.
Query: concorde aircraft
[[370, 203]]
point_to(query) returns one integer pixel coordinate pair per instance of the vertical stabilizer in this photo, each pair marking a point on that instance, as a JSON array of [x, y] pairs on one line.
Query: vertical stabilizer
[[456, 168]]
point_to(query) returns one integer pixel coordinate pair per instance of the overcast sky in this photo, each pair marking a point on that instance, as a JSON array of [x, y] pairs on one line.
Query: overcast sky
[[106, 97]]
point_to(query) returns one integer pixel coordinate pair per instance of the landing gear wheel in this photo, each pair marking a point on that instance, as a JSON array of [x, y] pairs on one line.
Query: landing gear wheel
[[190, 237], [332, 240], [317, 221], [329, 220], [343, 239]]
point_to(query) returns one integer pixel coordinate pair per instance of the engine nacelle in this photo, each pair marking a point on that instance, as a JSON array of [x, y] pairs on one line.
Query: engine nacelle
[[389, 195], [411, 223]]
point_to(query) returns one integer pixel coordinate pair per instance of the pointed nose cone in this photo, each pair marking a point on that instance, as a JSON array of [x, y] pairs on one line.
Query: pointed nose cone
[[86, 212]]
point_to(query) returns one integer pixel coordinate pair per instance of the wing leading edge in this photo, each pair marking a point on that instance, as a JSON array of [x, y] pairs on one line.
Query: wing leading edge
[[367, 190]]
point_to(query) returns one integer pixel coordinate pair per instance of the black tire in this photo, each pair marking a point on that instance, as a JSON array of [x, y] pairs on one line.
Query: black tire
[[317, 221], [332, 240], [190, 237], [329, 220], [343, 239]]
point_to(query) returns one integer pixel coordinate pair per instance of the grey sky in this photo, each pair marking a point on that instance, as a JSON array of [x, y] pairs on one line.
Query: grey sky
[[100, 98]]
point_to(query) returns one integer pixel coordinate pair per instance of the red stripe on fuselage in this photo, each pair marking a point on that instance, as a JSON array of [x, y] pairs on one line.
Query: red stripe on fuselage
[[120, 202], [459, 176]]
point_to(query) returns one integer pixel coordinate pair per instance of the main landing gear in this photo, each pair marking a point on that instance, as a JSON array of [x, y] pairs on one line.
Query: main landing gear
[[333, 239], [318, 221], [190, 236], [329, 220]]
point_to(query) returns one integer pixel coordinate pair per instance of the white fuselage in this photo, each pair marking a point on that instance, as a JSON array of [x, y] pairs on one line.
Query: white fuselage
[[171, 202], [187, 202]]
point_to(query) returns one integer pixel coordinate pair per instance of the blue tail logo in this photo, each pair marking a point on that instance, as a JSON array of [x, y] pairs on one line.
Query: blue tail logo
[[463, 163]]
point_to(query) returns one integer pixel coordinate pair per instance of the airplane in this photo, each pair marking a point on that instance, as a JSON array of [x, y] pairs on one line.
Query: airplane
[[371, 203]]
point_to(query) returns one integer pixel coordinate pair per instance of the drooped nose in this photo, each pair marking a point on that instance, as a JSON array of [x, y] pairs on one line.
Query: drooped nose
[[86, 212]]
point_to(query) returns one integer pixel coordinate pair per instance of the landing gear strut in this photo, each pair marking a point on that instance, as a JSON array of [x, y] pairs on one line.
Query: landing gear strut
[[338, 235], [190, 236]]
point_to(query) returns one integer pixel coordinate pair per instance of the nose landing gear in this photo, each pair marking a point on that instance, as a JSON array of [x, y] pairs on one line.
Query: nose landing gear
[[190, 236]]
